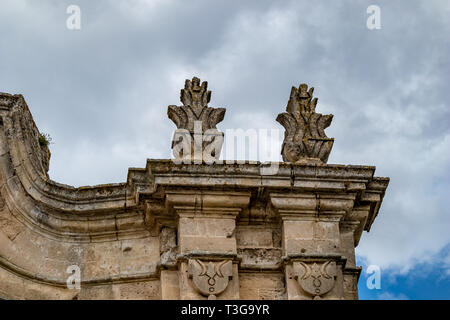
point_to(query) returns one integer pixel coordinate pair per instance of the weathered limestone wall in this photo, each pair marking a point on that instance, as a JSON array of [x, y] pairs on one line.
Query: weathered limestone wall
[[179, 231], [33, 265]]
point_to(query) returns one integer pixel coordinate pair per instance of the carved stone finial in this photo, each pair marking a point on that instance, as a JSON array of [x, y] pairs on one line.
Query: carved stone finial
[[195, 95], [304, 139], [197, 137]]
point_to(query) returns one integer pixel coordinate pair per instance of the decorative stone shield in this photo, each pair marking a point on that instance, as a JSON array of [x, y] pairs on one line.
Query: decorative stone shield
[[315, 278], [210, 278]]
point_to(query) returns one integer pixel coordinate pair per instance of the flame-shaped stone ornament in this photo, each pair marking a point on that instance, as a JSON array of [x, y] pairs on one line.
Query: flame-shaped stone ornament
[[304, 139], [197, 137]]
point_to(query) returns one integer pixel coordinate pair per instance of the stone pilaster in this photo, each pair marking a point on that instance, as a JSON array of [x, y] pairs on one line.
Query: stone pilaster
[[311, 243], [207, 259], [351, 272]]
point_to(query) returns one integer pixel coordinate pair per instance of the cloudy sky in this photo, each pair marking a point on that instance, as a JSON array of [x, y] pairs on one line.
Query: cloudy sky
[[102, 93]]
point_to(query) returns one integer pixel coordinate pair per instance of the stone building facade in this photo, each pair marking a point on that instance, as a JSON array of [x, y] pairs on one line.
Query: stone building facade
[[192, 227]]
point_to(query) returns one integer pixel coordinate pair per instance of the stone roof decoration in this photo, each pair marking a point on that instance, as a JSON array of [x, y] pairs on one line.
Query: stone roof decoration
[[196, 137], [304, 139]]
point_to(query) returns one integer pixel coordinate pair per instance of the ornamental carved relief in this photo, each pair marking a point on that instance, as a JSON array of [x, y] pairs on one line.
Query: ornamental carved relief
[[316, 278], [210, 278], [304, 138]]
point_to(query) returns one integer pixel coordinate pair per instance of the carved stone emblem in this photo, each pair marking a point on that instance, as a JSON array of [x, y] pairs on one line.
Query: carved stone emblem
[[304, 138], [315, 278], [197, 137], [210, 278]]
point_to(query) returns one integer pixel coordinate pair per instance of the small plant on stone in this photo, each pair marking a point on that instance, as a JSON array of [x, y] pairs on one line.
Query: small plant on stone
[[44, 139]]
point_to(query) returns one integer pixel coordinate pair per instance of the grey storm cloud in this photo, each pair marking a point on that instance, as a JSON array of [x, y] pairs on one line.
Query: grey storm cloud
[[102, 92]]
